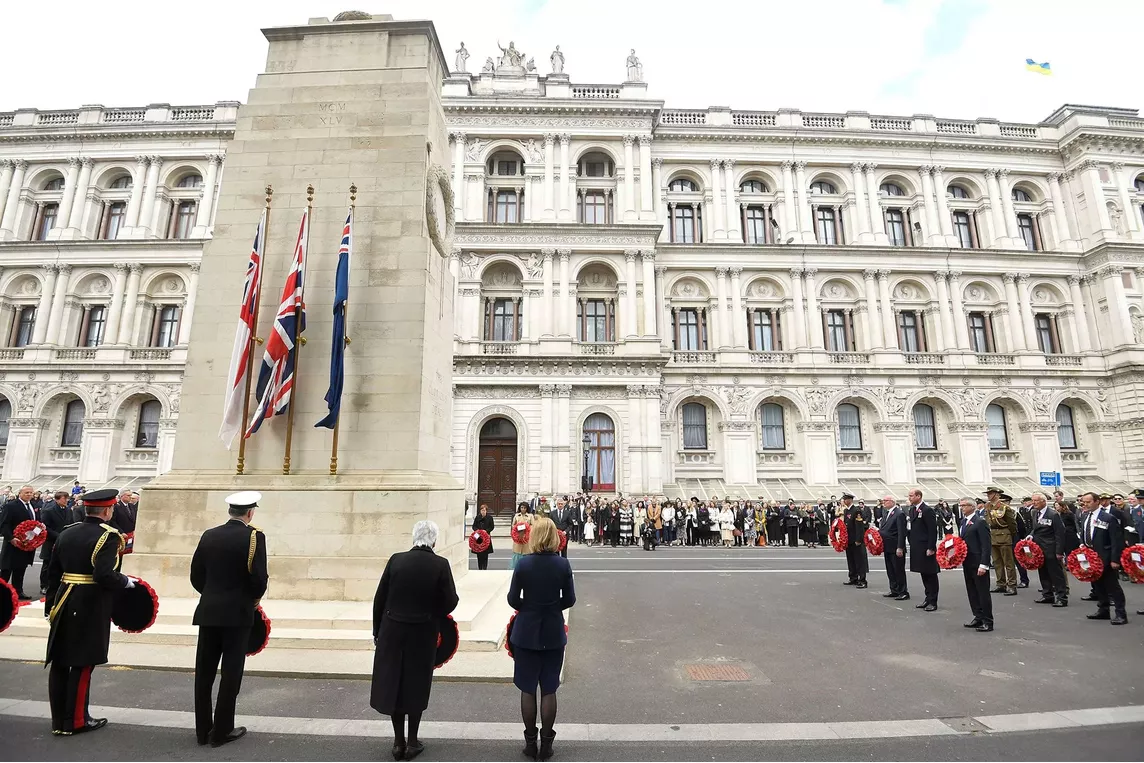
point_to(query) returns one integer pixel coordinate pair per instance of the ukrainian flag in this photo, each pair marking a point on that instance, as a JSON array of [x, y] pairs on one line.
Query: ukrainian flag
[[1033, 66]]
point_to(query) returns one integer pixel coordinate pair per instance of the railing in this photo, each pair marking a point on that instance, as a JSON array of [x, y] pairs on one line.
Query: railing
[[64, 455], [1017, 131], [696, 457], [57, 118], [596, 348], [142, 455], [16, 353], [1074, 456], [1004, 457], [6, 120], [822, 120], [499, 348], [120, 116], [930, 458], [693, 357], [772, 357], [1136, 124], [925, 358], [951, 127], [995, 359], [82, 353], [764, 457], [891, 123], [150, 353], [851, 458], [1063, 360], [683, 117], [856, 358], [752, 119], [596, 92], [192, 114]]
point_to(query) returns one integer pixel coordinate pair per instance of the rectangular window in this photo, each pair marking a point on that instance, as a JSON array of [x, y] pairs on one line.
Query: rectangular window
[[1028, 235], [25, 323], [979, 333], [896, 227], [849, 428], [1046, 333], [824, 230], [963, 230], [595, 170], [683, 225], [506, 207], [774, 438], [1066, 433], [836, 331], [908, 321], [689, 329], [48, 214], [594, 321], [504, 321], [168, 319], [925, 435], [96, 322], [506, 168], [594, 208], [755, 225], [998, 436], [116, 219], [184, 221], [764, 331], [694, 427]]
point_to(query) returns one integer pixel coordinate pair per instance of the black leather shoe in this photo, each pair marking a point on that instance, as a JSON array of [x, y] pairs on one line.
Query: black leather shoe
[[902, 597], [983, 628], [1120, 619], [238, 733], [398, 751], [851, 582], [530, 737], [1044, 600], [1100, 614], [1010, 592], [861, 584], [930, 608], [413, 749], [1023, 584], [92, 725], [1061, 603], [1088, 597], [1140, 611], [546, 738], [998, 589], [890, 595], [203, 739], [922, 605], [974, 623]]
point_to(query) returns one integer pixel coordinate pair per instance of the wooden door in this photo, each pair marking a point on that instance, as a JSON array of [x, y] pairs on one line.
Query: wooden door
[[496, 476]]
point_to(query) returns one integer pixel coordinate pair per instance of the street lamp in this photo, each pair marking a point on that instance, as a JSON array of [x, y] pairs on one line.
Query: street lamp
[[585, 482]]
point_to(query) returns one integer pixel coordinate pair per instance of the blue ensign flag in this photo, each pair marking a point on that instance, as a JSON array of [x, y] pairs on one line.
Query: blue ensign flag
[[338, 344]]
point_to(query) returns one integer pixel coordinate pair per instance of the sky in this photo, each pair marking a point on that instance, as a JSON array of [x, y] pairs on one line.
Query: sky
[[948, 58]]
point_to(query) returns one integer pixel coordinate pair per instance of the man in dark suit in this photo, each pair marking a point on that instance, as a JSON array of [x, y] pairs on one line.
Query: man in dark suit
[[123, 518], [229, 571], [1103, 534], [923, 547], [857, 522], [561, 516], [1048, 532], [14, 562], [56, 516], [892, 528], [974, 530]]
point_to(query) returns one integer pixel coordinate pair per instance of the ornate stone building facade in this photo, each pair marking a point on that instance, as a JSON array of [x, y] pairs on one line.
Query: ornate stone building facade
[[103, 215], [787, 304]]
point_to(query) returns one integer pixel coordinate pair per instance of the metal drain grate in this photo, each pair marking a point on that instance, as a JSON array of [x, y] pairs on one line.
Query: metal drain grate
[[716, 672]]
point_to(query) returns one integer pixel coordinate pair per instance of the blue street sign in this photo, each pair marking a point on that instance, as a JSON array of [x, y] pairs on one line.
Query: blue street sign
[[1050, 479]]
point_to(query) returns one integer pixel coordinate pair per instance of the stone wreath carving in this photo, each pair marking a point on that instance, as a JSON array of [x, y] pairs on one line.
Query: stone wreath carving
[[439, 188]]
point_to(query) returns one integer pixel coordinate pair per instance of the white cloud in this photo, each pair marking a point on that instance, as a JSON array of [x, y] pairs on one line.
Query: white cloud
[[831, 55]]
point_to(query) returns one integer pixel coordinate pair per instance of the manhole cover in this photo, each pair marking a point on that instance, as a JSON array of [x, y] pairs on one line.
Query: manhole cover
[[716, 672]]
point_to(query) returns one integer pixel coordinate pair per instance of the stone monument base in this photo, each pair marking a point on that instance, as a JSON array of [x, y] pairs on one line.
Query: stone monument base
[[327, 537]]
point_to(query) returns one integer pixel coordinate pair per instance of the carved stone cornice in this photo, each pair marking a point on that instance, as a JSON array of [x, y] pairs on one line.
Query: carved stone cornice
[[967, 426], [531, 236], [736, 426], [28, 423], [816, 426], [893, 426], [578, 367], [494, 392], [1038, 426], [104, 423]]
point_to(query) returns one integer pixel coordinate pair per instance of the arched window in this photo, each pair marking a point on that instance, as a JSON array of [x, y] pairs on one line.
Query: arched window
[[121, 182], [753, 186], [55, 184], [600, 431], [1139, 184], [849, 427], [5, 415], [958, 192], [998, 434], [822, 186], [694, 426], [682, 184], [1066, 432], [925, 434], [506, 164], [774, 435], [73, 425], [1020, 195], [595, 166], [147, 433], [182, 221], [193, 180], [892, 189]]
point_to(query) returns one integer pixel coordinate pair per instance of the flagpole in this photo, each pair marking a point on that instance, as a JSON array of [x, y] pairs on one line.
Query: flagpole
[[346, 336], [298, 339], [241, 466]]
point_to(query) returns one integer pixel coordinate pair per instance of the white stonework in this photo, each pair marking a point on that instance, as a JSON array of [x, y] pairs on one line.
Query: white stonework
[[837, 273]]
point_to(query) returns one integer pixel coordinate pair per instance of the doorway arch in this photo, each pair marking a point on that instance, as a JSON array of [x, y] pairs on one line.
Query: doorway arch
[[600, 430], [496, 466]]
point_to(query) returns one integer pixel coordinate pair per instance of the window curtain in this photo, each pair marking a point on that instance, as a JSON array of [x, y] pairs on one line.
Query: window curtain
[[998, 438], [773, 435], [694, 427], [924, 427], [849, 428], [602, 450], [1066, 434]]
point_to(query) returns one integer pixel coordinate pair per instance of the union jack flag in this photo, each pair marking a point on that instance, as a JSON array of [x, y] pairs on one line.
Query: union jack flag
[[240, 356], [276, 377]]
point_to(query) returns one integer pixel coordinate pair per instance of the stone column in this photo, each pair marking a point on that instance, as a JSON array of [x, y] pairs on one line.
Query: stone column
[[877, 229], [788, 212], [44, 309], [549, 176], [996, 210], [57, 311], [738, 317], [734, 233], [564, 306], [1118, 316], [636, 440], [721, 292], [889, 325], [1026, 311], [189, 308], [805, 222], [863, 215], [799, 309], [1060, 218], [873, 325], [1130, 210], [1070, 317], [74, 220], [650, 292], [1007, 205], [933, 237], [129, 305], [1098, 336], [629, 180], [6, 166], [1016, 330], [812, 311], [666, 328], [455, 274], [648, 185], [63, 215], [1094, 195], [1068, 190], [21, 460], [62, 339], [12, 205], [477, 201], [943, 216], [206, 205], [567, 185], [150, 194], [629, 322], [898, 448], [660, 199], [459, 139], [943, 303], [718, 227], [1084, 342], [549, 308], [95, 449], [960, 324]]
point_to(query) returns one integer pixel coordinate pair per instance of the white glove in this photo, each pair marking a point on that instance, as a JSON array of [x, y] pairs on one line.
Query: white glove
[[130, 582]]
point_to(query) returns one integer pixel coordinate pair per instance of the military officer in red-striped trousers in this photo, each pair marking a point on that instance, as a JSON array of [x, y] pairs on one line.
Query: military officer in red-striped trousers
[[83, 577]]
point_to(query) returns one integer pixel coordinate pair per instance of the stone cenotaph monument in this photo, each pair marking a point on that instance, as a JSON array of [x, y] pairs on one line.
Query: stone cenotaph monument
[[356, 100]]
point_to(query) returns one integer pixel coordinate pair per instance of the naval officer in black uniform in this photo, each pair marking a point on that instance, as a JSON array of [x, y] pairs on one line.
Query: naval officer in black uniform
[[229, 571], [83, 577], [857, 520]]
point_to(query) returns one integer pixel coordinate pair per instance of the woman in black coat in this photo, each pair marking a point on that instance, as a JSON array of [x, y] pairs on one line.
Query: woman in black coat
[[540, 591], [484, 521], [614, 524], [415, 594]]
